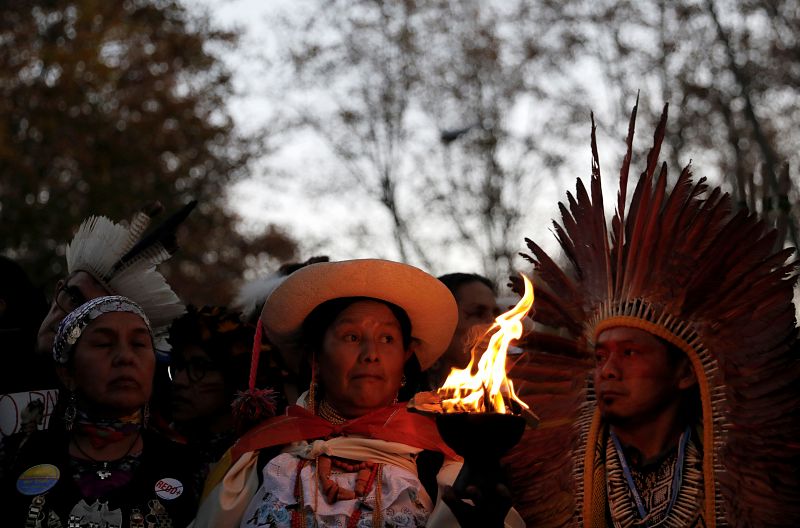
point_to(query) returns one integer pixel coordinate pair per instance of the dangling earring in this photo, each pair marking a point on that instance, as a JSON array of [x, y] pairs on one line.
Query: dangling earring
[[145, 415], [70, 412], [403, 381], [312, 392]]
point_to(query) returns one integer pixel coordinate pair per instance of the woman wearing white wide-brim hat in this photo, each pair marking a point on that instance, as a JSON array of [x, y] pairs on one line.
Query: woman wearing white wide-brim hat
[[348, 454]]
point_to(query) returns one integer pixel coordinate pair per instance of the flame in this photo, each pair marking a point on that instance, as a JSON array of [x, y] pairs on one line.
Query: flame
[[486, 390]]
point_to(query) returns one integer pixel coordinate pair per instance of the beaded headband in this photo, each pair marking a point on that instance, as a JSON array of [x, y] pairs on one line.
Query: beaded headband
[[73, 325]]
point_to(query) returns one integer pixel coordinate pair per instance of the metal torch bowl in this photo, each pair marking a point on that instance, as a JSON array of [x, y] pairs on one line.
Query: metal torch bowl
[[481, 439]]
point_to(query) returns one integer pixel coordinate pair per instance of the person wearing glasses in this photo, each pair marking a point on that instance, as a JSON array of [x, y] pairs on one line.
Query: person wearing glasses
[[210, 362], [72, 291]]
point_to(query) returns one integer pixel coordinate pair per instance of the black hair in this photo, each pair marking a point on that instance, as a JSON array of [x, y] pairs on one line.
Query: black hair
[[675, 354], [222, 335], [454, 281], [691, 401], [318, 321], [321, 317]]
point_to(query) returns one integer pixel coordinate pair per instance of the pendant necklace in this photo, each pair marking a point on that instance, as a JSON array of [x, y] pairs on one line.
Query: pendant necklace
[[104, 472], [677, 477]]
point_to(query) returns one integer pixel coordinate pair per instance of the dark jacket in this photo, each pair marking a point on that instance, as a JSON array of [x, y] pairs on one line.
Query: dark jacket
[[151, 491]]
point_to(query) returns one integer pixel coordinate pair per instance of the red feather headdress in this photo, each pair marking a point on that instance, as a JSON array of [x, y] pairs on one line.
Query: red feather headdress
[[683, 265]]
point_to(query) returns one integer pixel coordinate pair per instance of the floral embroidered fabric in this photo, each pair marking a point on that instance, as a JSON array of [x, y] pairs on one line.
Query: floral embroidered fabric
[[405, 502]]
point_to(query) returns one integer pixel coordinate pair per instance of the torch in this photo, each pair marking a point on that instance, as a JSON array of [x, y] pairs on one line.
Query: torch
[[477, 411]]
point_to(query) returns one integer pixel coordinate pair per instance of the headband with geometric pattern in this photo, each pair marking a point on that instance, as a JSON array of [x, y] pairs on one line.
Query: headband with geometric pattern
[[73, 325]]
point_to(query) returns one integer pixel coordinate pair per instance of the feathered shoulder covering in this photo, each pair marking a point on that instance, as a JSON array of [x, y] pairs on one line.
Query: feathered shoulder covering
[[681, 263]]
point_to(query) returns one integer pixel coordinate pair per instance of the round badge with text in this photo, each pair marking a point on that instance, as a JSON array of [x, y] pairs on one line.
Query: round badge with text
[[169, 488], [38, 479]]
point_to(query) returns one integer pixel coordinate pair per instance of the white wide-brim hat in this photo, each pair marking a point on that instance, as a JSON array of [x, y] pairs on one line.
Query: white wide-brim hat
[[430, 306]]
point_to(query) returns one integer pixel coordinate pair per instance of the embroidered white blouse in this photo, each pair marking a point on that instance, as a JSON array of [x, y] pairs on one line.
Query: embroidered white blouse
[[404, 502]]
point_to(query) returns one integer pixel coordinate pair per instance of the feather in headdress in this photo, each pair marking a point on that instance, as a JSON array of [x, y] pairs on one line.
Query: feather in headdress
[[252, 294], [681, 262], [124, 261]]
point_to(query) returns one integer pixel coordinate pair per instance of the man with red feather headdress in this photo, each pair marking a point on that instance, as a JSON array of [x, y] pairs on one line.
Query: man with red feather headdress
[[672, 389]]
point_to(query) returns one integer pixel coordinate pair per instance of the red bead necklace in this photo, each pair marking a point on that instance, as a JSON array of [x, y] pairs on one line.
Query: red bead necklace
[[368, 475]]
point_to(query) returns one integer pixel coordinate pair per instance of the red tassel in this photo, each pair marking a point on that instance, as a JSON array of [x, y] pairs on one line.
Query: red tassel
[[252, 407]]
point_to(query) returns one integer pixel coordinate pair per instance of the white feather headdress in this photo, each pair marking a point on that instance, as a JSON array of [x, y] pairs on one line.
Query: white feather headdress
[[251, 296], [125, 263]]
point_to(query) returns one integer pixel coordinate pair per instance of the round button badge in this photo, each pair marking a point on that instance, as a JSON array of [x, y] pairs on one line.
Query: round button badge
[[38, 479], [169, 488]]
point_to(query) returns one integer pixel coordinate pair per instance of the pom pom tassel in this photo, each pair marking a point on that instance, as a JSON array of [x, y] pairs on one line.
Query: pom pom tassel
[[253, 405]]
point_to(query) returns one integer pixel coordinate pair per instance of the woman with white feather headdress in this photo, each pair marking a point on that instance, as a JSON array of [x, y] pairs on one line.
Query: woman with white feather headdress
[[105, 257]]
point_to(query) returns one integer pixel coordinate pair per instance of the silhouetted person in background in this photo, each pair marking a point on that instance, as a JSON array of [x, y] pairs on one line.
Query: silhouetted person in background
[[210, 363], [22, 307], [477, 308]]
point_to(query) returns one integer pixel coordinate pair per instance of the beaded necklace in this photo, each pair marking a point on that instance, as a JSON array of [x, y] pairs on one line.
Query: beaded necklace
[[327, 412], [677, 477], [368, 474]]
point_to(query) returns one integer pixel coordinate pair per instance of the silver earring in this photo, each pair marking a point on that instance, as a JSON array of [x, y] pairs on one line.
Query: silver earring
[[403, 381], [70, 412]]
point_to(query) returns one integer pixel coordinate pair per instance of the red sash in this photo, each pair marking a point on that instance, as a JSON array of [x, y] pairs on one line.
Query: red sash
[[393, 424]]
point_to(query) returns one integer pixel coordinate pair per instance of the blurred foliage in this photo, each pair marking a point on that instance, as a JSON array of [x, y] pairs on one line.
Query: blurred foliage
[[105, 106], [730, 70], [456, 116], [416, 102]]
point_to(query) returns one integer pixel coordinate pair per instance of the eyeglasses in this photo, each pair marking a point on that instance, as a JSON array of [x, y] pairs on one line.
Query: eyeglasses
[[69, 297], [196, 368]]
